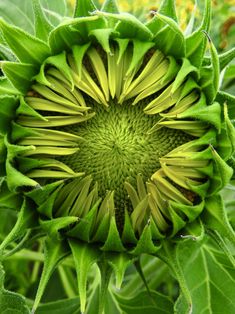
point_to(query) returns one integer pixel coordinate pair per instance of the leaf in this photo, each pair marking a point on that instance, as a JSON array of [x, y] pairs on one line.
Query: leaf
[[110, 6], [18, 15], [55, 252], [209, 80], [19, 74], [11, 302], [111, 305], [69, 306], [55, 10], [84, 8], [168, 36], [168, 8], [8, 218], [27, 219], [53, 226], [226, 57], [42, 25], [20, 12], [169, 256], [214, 217], [128, 25], [119, 263], [73, 32], [6, 54], [210, 279], [196, 42], [26, 47], [222, 98], [144, 303], [6, 87]]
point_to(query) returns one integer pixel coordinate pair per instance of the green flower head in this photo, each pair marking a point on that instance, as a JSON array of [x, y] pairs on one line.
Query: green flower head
[[113, 133]]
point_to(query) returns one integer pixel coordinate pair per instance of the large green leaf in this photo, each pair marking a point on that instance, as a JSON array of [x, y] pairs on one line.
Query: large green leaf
[[144, 303], [209, 278], [84, 8], [11, 302], [20, 12], [209, 274], [55, 252], [68, 306], [27, 219]]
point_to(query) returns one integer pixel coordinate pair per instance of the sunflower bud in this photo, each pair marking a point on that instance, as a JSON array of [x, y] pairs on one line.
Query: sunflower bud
[[114, 135]]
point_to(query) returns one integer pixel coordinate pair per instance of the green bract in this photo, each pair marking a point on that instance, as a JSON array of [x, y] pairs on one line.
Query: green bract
[[114, 135]]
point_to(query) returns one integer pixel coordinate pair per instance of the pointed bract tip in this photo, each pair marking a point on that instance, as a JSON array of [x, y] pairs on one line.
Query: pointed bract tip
[[207, 35], [83, 307], [38, 187], [153, 13], [95, 12], [118, 284]]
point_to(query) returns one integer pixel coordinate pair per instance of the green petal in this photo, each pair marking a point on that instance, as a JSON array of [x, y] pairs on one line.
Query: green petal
[[73, 32], [128, 26], [222, 174], [226, 138], [186, 69], [110, 6], [145, 243], [84, 8], [210, 75], [103, 36], [140, 48], [40, 195], [229, 100], [167, 7], [46, 208], [59, 61], [83, 229], [53, 226], [196, 42], [128, 235], [25, 109], [113, 241], [168, 37], [211, 114], [16, 179]]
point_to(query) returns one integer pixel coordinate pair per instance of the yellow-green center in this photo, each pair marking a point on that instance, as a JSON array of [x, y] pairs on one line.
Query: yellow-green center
[[116, 146]]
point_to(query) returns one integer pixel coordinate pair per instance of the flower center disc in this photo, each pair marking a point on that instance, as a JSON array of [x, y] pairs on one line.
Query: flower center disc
[[116, 145]]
